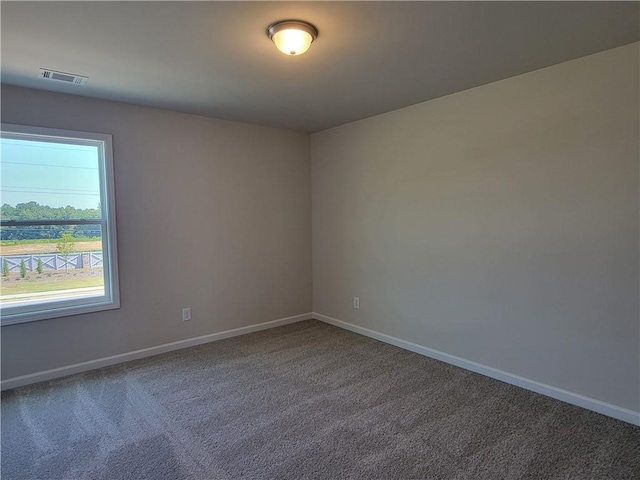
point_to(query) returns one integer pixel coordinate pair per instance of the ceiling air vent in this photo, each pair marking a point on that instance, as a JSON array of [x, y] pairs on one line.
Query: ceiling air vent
[[63, 77]]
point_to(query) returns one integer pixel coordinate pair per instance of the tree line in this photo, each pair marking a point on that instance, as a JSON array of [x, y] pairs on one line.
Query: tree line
[[35, 211]]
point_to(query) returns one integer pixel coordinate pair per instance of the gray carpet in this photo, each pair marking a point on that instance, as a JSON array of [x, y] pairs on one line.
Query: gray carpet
[[305, 401]]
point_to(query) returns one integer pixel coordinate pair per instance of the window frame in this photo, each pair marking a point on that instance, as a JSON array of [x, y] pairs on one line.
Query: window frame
[[11, 315]]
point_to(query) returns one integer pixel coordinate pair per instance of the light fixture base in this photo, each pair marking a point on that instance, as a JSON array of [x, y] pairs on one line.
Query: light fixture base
[[292, 37]]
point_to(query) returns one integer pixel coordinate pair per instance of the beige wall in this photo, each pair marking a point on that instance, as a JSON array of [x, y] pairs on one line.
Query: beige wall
[[499, 224], [228, 203]]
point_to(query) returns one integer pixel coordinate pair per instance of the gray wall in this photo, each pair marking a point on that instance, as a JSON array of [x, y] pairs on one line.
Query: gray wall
[[499, 224], [229, 201]]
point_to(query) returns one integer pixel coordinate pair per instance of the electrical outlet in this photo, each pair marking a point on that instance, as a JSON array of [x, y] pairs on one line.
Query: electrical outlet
[[186, 314], [356, 302]]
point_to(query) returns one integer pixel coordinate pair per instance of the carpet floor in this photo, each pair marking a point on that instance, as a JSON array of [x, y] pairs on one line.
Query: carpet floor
[[304, 401]]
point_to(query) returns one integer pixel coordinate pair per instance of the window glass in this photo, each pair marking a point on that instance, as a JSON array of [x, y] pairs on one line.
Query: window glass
[[57, 231]]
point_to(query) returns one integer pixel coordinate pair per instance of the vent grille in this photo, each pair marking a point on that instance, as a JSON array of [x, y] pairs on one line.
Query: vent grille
[[48, 74]]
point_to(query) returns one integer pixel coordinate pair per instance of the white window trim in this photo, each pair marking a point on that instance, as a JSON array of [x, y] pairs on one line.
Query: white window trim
[[111, 298]]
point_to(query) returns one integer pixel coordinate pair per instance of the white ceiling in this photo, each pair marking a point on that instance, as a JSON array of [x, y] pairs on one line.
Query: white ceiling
[[214, 58]]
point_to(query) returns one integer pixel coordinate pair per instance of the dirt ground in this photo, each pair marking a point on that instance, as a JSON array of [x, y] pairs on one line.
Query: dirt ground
[[32, 248]]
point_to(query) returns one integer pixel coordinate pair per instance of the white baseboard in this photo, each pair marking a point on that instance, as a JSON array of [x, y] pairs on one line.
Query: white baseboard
[[598, 406], [145, 352]]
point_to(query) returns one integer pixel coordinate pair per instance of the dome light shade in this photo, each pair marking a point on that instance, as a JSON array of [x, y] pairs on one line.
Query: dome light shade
[[292, 37]]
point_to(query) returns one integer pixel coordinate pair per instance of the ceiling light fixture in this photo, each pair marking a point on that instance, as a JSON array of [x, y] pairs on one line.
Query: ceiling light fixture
[[292, 37]]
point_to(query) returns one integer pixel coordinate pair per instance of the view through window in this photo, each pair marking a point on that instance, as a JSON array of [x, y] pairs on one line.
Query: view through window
[[57, 243]]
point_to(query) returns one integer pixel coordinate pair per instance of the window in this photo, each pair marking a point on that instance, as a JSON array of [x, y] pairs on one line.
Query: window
[[57, 224]]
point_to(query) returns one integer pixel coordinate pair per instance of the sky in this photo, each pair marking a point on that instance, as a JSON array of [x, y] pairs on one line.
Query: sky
[[49, 173]]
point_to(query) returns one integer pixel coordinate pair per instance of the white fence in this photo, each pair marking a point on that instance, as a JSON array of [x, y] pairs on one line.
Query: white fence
[[52, 261]]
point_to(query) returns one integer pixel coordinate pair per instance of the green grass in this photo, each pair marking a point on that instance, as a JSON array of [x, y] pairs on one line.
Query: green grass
[[37, 283]]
